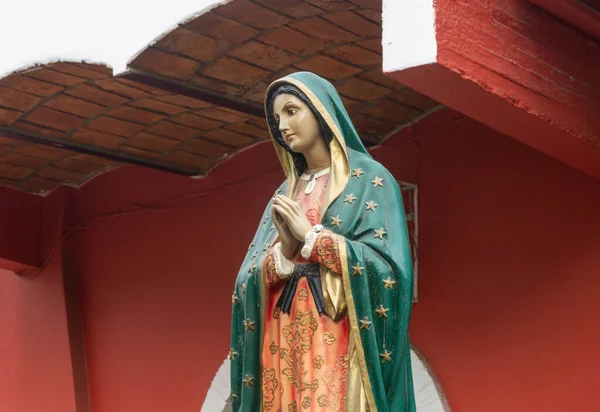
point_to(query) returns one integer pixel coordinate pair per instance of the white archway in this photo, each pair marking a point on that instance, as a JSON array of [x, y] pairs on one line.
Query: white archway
[[67, 31], [429, 395]]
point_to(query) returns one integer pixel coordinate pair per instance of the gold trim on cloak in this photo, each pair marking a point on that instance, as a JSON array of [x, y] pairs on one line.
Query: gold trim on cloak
[[355, 395], [339, 293], [334, 296]]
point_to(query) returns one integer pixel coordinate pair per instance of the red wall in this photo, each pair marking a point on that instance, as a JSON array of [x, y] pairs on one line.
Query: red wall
[[157, 284], [509, 275], [35, 365], [35, 353]]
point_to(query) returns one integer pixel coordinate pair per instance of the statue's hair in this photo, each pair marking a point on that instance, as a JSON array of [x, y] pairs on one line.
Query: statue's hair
[[286, 88]]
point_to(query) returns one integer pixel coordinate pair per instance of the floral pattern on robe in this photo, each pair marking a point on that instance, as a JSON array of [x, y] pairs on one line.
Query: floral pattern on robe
[[304, 355]]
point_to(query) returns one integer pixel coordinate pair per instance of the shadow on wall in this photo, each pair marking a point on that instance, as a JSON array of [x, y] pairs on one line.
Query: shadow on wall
[[428, 392]]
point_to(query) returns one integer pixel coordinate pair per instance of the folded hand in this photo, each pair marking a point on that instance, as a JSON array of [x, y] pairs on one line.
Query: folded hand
[[293, 216]]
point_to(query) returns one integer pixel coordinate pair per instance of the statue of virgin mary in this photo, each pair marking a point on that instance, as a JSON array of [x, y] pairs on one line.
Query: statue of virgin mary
[[322, 301]]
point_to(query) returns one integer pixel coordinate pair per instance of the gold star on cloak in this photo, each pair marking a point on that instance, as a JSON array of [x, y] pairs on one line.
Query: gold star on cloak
[[234, 298], [252, 267], [232, 354], [365, 323], [349, 198], [357, 172], [382, 312], [385, 356], [244, 286], [371, 205], [232, 396], [335, 221], [379, 233], [357, 269], [377, 181], [389, 283], [249, 325], [249, 381]]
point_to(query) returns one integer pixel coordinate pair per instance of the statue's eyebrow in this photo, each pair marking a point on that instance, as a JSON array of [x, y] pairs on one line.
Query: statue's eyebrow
[[284, 106]]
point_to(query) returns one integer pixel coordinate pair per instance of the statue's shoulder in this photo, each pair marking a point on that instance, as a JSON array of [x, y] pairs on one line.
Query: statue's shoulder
[[367, 164]]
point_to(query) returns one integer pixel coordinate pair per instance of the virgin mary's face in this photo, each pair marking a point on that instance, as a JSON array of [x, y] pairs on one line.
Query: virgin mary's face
[[297, 124]]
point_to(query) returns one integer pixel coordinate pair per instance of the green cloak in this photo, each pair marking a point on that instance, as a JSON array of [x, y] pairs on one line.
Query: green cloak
[[376, 262]]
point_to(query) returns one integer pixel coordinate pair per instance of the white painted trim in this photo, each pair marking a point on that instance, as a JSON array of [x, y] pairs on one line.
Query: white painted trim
[[408, 37], [413, 214], [218, 395], [36, 32]]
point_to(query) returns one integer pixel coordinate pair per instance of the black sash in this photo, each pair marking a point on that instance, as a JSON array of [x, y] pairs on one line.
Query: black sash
[[312, 274]]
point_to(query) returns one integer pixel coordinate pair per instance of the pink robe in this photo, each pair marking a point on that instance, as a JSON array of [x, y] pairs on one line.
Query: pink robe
[[304, 356]]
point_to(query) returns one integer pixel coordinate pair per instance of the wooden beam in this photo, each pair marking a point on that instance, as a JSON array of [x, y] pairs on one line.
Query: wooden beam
[[96, 151], [185, 89]]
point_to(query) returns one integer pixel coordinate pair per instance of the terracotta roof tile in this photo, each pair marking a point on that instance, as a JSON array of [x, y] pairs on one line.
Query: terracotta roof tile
[[8, 116], [30, 85], [192, 44], [206, 148], [227, 116], [17, 159], [166, 64], [62, 175], [152, 142], [328, 67], [293, 8], [323, 30], [55, 119], [38, 130], [235, 72], [158, 106], [16, 100], [51, 76], [291, 40], [38, 184], [135, 115], [74, 105], [190, 161], [95, 94], [229, 138], [197, 122], [114, 126], [252, 14], [173, 131], [356, 24], [12, 172], [97, 138], [80, 71], [219, 27], [136, 151], [218, 86], [265, 56]]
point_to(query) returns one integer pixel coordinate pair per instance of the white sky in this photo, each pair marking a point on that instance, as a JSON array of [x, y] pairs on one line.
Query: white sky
[[109, 32]]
